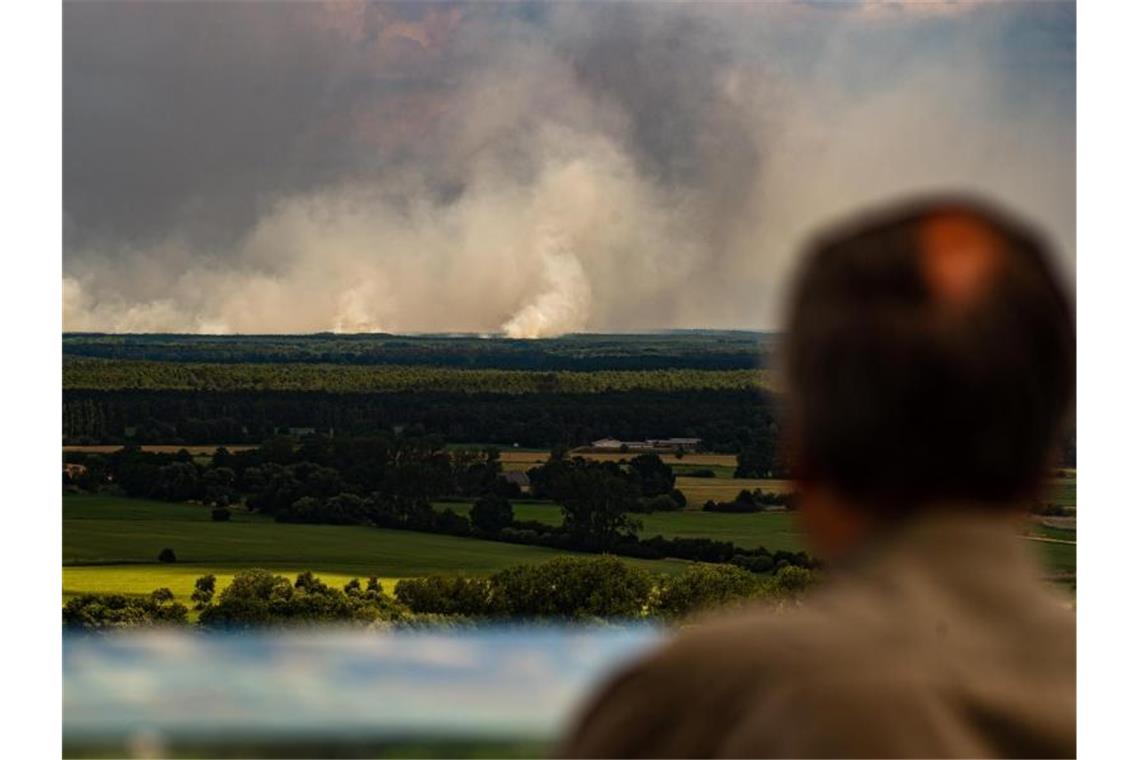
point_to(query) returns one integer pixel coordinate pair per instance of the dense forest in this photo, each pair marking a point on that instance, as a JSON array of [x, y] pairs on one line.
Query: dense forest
[[564, 391], [680, 349], [568, 391], [112, 374]]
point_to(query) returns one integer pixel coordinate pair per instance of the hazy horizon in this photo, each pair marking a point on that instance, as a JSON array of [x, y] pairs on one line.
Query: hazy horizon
[[441, 334], [527, 169]]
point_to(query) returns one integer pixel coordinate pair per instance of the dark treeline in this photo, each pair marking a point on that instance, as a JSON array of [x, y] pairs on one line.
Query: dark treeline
[[756, 500], [696, 349], [729, 421], [283, 471]]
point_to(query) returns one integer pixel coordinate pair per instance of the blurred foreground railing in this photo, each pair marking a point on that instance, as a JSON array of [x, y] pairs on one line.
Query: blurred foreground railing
[[333, 692]]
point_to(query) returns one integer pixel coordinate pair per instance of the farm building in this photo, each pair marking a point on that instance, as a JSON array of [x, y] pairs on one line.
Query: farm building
[[521, 479]]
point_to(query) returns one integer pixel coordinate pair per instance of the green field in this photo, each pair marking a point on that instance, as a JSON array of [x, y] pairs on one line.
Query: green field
[[775, 530], [1061, 559], [772, 530], [1062, 491], [111, 544]]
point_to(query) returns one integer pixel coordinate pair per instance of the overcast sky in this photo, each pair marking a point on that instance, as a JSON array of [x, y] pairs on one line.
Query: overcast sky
[[527, 168]]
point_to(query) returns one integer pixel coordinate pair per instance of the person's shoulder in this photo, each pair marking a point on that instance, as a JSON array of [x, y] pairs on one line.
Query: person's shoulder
[[762, 644], [682, 698]]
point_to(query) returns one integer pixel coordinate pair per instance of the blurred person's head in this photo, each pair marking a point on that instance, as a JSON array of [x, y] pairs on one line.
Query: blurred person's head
[[930, 364]]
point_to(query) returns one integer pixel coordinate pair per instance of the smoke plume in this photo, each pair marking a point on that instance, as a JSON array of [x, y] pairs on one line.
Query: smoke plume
[[530, 169]]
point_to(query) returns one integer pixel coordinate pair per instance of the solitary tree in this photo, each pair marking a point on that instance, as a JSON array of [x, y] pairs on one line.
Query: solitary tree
[[492, 514], [653, 477], [162, 595], [203, 592], [595, 506]]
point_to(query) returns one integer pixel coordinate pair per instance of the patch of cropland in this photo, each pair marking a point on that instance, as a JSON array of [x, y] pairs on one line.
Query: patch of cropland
[[681, 349]]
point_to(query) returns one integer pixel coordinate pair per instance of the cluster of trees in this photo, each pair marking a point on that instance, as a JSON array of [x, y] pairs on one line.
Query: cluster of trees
[[102, 611], [646, 476], [752, 501], [598, 498], [762, 455], [283, 471], [257, 598], [566, 588], [716, 350]]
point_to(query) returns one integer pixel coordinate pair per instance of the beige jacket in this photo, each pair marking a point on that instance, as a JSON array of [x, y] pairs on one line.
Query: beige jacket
[[939, 641]]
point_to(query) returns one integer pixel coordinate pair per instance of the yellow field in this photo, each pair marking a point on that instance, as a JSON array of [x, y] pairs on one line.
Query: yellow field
[[143, 578], [699, 490]]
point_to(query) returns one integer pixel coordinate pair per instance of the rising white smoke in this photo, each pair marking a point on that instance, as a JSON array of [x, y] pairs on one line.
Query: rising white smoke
[[605, 168], [563, 304]]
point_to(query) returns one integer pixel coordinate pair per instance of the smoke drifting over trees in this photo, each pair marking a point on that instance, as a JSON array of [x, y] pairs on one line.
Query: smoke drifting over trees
[[533, 169]]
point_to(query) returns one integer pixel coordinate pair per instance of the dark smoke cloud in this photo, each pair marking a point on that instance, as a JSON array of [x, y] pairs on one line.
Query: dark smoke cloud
[[538, 168]]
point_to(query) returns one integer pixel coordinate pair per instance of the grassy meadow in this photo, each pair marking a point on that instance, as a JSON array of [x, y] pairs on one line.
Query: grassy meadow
[[772, 530]]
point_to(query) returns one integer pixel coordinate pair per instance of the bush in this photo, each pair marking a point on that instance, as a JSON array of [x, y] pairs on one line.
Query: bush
[[167, 555], [519, 536], [698, 549], [162, 595], [220, 514], [759, 563], [452, 523], [203, 592], [793, 579], [492, 513], [662, 503], [702, 587], [732, 507], [535, 526], [93, 612], [259, 598], [574, 589], [446, 595], [773, 499]]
